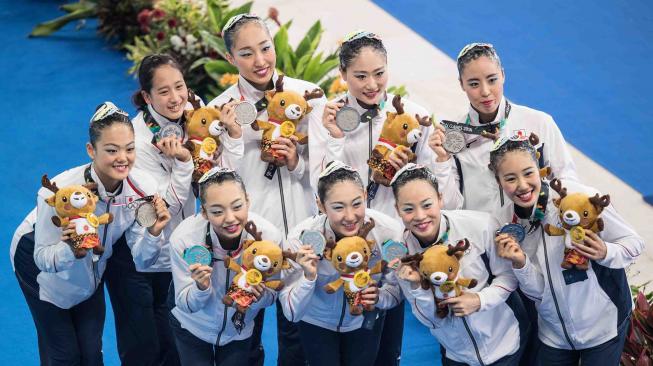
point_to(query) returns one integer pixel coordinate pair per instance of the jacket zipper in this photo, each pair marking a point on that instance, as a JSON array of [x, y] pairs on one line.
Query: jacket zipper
[[471, 336], [283, 204], [369, 156], [342, 312], [94, 264], [555, 300], [224, 317]]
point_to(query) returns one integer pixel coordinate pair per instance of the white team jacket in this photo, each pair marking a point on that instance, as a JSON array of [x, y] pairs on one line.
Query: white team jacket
[[286, 199], [493, 331], [173, 177], [307, 301], [202, 312], [355, 147], [480, 189], [66, 281], [579, 315]]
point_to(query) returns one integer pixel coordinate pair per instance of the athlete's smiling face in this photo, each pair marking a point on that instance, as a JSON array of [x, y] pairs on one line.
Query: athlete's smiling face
[[169, 93], [226, 207], [253, 54], [113, 154], [344, 206], [519, 178], [367, 76]]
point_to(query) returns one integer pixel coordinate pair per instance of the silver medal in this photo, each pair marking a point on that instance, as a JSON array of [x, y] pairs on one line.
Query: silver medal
[[315, 239], [347, 119], [171, 129], [146, 214], [245, 113], [454, 141]]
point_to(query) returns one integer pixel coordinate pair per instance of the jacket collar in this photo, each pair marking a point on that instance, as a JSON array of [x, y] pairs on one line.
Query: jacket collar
[[249, 92]]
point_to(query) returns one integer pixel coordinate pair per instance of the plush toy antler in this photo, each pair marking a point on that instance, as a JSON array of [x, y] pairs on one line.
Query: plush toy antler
[[461, 247], [192, 99], [399, 106], [315, 93], [45, 182], [603, 201], [250, 227], [366, 228], [556, 184], [491, 135], [278, 86]]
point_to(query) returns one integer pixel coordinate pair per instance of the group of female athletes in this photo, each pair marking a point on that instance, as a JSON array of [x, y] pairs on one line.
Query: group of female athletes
[[525, 308]]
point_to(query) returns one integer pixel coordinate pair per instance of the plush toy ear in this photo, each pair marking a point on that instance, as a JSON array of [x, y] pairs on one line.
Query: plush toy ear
[[188, 113], [270, 94], [247, 243], [308, 109], [91, 186], [328, 250], [288, 255], [52, 200]]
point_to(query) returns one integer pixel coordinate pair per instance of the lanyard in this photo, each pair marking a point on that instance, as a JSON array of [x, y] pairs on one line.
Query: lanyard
[[501, 123]]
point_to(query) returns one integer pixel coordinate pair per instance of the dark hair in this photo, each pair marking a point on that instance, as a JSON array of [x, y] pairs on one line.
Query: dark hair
[[351, 49], [229, 35], [475, 52], [219, 178], [96, 127], [325, 183], [415, 174], [146, 71], [497, 156]]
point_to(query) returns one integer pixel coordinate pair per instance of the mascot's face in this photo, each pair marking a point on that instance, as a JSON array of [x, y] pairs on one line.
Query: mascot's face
[[73, 201], [367, 76], [519, 178], [169, 93], [438, 267], [204, 122], [287, 105], [226, 207], [351, 254], [265, 256], [576, 209]]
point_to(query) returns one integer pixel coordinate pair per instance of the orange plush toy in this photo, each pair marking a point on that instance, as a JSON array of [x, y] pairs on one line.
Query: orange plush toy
[[400, 132], [439, 267], [261, 259], [286, 109], [578, 212], [203, 127], [76, 204], [350, 257]]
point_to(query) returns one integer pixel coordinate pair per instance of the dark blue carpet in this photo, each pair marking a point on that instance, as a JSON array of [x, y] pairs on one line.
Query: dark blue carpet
[[584, 62], [50, 87]]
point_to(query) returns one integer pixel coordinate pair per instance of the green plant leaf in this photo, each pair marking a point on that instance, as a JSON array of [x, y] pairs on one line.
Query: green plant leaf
[[217, 68], [69, 8], [49, 27], [245, 8], [310, 41], [215, 43], [199, 62]]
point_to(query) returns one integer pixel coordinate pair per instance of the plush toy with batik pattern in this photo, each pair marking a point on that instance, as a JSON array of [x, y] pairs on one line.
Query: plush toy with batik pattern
[[286, 109], [203, 127], [578, 212], [399, 133], [76, 204]]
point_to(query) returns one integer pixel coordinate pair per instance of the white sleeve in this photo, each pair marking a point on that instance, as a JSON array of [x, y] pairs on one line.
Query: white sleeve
[[233, 151], [50, 253], [390, 293], [557, 155], [188, 297], [448, 183], [297, 292], [622, 242], [145, 247], [422, 303], [302, 157], [322, 147], [504, 281], [531, 280], [174, 186]]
